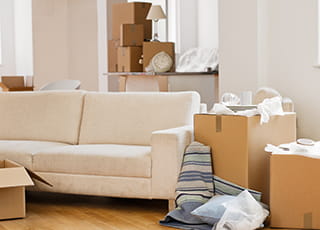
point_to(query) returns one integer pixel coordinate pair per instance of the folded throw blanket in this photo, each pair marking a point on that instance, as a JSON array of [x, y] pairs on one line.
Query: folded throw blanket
[[194, 188], [196, 185]]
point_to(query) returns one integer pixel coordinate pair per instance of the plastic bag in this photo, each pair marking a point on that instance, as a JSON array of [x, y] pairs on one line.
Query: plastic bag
[[212, 211], [198, 60], [242, 213], [230, 99]]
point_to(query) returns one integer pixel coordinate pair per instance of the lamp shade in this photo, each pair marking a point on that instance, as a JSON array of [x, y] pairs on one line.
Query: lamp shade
[[155, 13]]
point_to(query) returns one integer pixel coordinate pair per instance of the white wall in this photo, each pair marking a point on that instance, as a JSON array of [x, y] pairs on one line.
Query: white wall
[[102, 44], [23, 37], [50, 40], [208, 24], [65, 41], [8, 66], [238, 45], [187, 25], [292, 52], [273, 43], [83, 42]]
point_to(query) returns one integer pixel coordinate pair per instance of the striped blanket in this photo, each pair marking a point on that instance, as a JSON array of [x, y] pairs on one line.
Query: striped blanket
[[194, 188], [196, 185]]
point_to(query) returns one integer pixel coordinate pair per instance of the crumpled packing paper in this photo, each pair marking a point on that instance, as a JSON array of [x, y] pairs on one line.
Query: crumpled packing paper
[[269, 107], [294, 148]]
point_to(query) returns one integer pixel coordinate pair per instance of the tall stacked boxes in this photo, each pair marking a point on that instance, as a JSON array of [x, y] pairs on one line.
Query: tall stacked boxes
[[131, 13], [129, 29]]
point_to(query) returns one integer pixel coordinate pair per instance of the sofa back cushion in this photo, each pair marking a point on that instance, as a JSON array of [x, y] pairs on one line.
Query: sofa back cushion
[[130, 118], [43, 116]]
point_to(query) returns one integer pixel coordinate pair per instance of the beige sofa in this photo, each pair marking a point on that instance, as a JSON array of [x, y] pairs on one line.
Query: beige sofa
[[106, 144]]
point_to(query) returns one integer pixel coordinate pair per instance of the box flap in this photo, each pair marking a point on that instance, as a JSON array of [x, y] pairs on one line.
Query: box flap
[[35, 176], [11, 164], [14, 177]]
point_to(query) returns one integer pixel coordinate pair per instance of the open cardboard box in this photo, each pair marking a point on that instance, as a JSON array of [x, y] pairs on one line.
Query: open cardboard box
[[237, 144], [294, 191], [13, 179], [14, 83]]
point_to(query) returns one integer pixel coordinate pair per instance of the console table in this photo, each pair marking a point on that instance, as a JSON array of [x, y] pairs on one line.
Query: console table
[[206, 83]]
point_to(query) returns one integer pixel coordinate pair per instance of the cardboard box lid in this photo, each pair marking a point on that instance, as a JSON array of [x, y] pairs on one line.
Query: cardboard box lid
[[14, 175]]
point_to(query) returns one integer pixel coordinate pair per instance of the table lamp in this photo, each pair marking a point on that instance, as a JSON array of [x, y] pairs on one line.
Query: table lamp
[[155, 13]]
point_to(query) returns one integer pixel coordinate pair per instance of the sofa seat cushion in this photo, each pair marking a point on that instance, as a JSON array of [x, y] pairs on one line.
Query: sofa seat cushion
[[22, 151], [100, 159]]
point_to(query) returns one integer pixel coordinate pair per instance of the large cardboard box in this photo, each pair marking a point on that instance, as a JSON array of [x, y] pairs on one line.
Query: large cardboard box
[[294, 192], [237, 144], [131, 35], [152, 48], [128, 59], [131, 13], [113, 55], [13, 179]]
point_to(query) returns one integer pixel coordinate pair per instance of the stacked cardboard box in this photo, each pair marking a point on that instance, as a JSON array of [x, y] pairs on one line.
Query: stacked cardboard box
[[129, 29], [150, 49]]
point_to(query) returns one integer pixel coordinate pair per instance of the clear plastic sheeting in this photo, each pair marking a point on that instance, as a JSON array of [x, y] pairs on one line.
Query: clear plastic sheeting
[[242, 213], [230, 99], [198, 60]]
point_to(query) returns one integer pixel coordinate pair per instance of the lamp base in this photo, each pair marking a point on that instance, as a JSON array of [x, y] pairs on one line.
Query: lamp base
[[155, 37]]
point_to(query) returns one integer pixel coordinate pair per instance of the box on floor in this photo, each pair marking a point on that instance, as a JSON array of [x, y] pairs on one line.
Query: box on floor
[[131, 13], [128, 59], [13, 179], [150, 49], [237, 144], [294, 192]]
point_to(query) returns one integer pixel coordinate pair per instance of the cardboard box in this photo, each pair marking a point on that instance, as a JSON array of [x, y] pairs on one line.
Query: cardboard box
[[143, 83], [131, 13], [131, 35], [113, 55], [294, 192], [128, 59], [13, 81], [152, 48], [13, 179], [237, 145]]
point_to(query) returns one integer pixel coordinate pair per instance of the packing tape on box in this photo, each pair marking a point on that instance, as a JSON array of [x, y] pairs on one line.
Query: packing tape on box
[[307, 220], [218, 124]]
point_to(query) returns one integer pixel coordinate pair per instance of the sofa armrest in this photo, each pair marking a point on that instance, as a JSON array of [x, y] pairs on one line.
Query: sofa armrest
[[167, 151]]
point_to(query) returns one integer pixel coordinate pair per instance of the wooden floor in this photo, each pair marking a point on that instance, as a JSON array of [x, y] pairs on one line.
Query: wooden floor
[[47, 211]]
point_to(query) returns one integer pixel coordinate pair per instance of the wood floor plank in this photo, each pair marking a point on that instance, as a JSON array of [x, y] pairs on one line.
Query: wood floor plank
[[48, 211]]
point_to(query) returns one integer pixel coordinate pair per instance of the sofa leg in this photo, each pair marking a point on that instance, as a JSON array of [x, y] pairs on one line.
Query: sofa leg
[[171, 205]]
